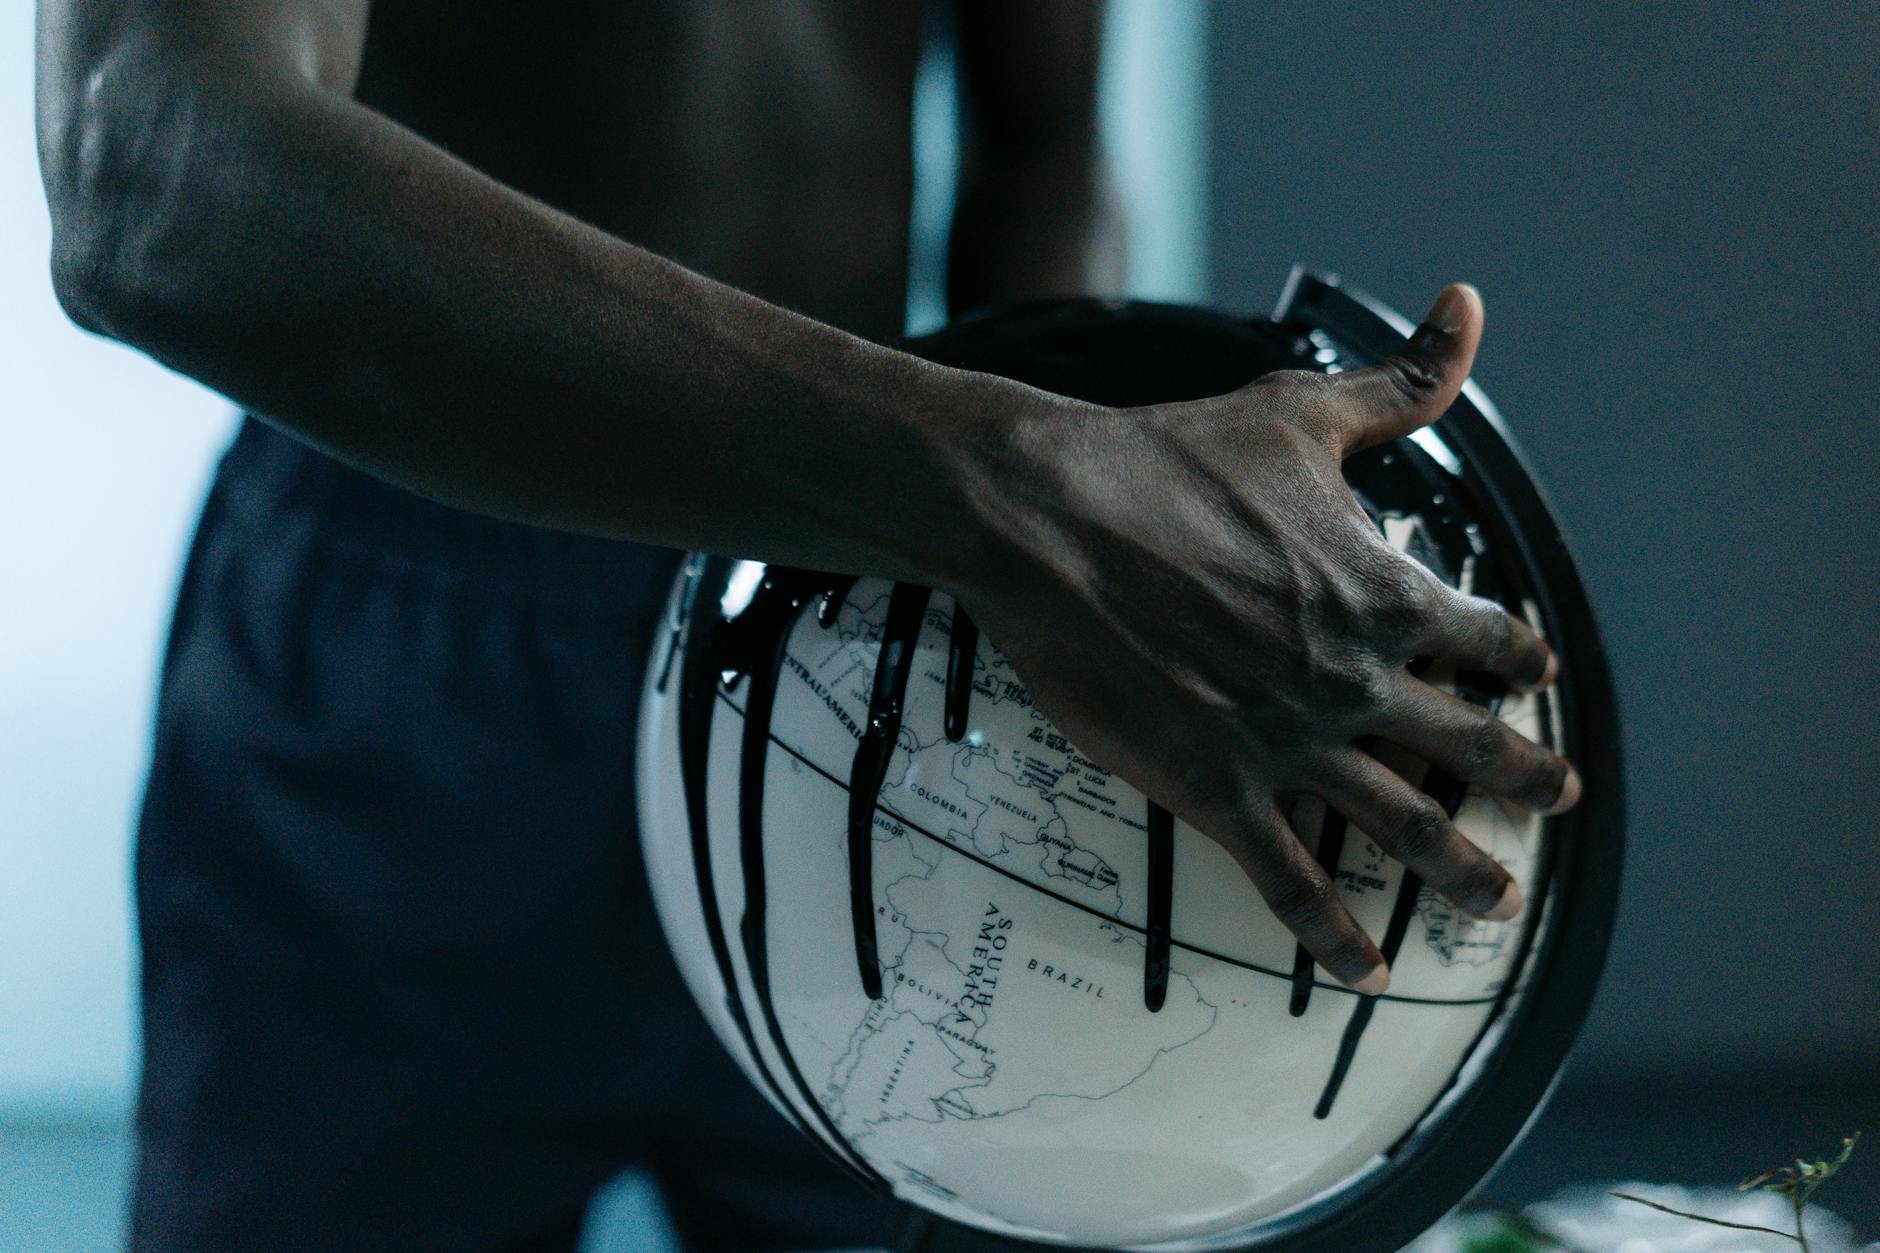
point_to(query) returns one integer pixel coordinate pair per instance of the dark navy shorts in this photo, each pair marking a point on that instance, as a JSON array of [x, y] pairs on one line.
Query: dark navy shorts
[[403, 987]]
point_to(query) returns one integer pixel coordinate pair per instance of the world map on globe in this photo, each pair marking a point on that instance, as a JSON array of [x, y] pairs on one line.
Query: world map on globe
[[1010, 901]]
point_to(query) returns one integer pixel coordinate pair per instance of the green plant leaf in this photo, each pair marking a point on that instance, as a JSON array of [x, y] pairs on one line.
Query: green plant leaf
[[1801, 1179], [1513, 1234]]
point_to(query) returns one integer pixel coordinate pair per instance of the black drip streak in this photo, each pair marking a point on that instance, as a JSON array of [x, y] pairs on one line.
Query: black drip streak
[[1449, 792], [962, 653], [720, 651], [1331, 848], [1367, 1005], [832, 598], [962, 656], [1329, 852], [697, 683], [752, 644], [694, 570], [1082, 908], [1161, 895], [755, 640], [906, 608]]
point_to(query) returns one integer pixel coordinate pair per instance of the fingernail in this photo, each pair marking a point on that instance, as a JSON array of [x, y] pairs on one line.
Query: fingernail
[[1569, 793], [1548, 675], [1374, 983], [1508, 906], [1450, 310]]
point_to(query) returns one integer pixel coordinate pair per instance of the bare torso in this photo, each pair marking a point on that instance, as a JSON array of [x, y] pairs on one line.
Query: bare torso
[[764, 143]]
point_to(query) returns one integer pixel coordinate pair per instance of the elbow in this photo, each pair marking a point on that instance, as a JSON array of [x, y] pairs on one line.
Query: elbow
[[81, 274], [114, 158], [79, 197]]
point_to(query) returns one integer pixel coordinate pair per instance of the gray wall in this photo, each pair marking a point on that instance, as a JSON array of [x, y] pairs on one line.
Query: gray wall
[[1672, 214]]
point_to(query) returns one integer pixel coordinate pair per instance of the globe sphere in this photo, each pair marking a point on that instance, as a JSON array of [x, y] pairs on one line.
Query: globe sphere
[[990, 978]]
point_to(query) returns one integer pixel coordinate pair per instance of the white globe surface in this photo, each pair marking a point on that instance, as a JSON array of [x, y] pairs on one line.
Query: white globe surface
[[1011, 1076]]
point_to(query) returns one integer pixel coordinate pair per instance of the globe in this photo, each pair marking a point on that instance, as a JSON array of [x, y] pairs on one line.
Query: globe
[[991, 979]]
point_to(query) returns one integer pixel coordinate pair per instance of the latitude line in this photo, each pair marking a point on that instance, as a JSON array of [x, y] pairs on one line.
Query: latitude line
[[1283, 976]]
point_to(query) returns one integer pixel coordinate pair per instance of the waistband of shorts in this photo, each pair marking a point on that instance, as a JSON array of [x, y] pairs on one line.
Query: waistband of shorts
[[272, 488]]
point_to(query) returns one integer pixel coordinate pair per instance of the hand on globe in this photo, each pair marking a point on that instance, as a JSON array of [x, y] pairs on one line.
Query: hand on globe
[[1194, 596]]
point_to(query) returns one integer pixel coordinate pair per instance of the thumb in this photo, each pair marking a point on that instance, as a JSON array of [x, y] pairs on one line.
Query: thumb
[[1417, 385]]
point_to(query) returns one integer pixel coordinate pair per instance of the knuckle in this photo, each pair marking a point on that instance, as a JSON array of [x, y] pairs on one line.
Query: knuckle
[[1378, 688], [1483, 749], [1209, 787], [1304, 383], [1316, 407], [1413, 376], [1503, 635], [1303, 390], [1420, 831], [1351, 682], [1317, 430], [1402, 603], [1419, 591]]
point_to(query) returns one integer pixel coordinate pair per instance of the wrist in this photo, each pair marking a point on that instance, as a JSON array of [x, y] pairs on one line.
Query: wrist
[[1009, 461]]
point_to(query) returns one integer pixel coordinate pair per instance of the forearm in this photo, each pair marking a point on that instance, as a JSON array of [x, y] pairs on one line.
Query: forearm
[[358, 287]]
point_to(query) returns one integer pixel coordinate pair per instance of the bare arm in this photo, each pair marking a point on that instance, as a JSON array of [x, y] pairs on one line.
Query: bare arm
[[220, 202]]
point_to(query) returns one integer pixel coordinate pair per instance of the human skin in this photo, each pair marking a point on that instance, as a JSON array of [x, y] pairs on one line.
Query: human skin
[[572, 313]]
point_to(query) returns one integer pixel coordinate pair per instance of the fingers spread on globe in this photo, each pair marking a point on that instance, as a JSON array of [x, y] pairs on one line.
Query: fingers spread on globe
[[1254, 599]]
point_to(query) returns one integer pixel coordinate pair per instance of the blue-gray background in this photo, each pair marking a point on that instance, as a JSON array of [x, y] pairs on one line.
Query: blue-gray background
[[1671, 212]]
